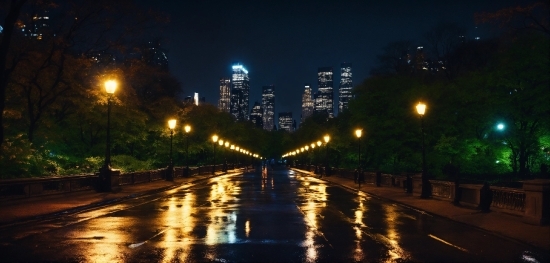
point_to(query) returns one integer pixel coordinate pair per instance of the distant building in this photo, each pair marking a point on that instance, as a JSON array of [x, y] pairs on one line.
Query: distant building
[[240, 89], [286, 122], [224, 104], [195, 100], [155, 55], [256, 115], [324, 97], [39, 26], [268, 105], [346, 87], [307, 103]]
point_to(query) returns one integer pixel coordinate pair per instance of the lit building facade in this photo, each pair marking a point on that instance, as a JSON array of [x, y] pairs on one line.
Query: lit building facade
[[256, 115], [224, 104], [240, 90], [286, 122], [268, 105], [39, 27], [307, 103], [346, 85], [324, 97]]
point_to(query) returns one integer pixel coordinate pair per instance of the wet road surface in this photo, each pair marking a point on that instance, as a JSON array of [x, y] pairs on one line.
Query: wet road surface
[[264, 216]]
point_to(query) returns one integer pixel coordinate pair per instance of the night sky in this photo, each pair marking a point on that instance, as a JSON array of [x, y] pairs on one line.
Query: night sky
[[284, 42]]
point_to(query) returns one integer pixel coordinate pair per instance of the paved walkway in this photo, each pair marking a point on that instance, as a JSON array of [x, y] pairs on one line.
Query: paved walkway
[[502, 224], [35, 208]]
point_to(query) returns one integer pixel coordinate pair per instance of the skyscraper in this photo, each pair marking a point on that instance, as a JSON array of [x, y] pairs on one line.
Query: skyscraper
[[240, 89], [268, 105], [285, 121], [324, 99], [307, 103], [346, 86], [256, 115], [224, 104]]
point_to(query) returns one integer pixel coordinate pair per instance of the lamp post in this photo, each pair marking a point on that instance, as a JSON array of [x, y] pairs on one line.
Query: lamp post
[[170, 170], [105, 171], [215, 140], [220, 142], [226, 155], [187, 129], [358, 133], [327, 166], [319, 150], [421, 109]]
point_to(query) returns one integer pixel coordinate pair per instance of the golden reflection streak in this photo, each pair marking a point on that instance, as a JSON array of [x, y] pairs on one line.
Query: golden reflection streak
[[221, 226], [247, 228], [312, 208], [358, 254], [392, 235], [180, 224], [107, 249]]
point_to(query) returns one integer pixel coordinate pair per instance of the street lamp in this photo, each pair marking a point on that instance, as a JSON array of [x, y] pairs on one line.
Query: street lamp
[[358, 133], [105, 171], [421, 109], [220, 142], [215, 140], [187, 129], [327, 166], [170, 170]]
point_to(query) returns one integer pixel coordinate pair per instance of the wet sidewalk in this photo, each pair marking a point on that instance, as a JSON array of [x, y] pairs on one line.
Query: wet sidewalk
[[499, 223], [40, 207]]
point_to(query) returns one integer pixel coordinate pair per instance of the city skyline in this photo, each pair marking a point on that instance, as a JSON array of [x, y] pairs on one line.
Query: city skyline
[[284, 42]]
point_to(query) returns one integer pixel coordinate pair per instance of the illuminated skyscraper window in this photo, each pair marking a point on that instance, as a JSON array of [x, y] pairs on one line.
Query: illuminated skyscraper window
[[224, 104], [286, 122], [346, 86], [324, 99], [240, 89], [268, 105], [256, 115], [307, 103]]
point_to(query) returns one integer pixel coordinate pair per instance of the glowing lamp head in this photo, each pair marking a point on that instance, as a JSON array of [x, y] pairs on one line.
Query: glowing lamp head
[[214, 138], [232, 147], [500, 126], [313, 146], [326, 138], [421, 108], [220, 142], [110, 86], [307, 148], [187, 128], [319, 143], [358, 133], [172, 124], [226, 144]]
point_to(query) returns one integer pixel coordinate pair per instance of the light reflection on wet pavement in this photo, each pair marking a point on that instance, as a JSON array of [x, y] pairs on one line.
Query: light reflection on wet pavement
[[265, 216]]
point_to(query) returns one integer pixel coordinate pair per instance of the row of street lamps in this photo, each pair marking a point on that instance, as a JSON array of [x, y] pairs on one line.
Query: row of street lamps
[[106, 170], [221, 142], [420, 109], [305, 148]]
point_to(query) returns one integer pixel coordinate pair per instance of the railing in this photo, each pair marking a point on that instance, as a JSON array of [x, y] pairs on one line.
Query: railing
[[442, 189], [508, 198], [28, 187]]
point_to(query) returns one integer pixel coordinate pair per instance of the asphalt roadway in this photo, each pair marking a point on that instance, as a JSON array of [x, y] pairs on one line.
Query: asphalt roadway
[[262, 216]]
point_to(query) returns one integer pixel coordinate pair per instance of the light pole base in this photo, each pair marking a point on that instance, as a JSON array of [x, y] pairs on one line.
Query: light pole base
[[108, 179], [170, 173]]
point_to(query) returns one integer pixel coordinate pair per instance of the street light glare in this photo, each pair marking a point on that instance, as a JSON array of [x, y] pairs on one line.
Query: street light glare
[[421, 108], [172, 124], [187, 128], [500, 126], [110, 86], [214, 138], [327, 138], [358, 133]]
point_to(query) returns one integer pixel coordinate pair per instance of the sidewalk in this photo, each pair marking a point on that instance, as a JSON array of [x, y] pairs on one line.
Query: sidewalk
[[34, 208], [502, 224]]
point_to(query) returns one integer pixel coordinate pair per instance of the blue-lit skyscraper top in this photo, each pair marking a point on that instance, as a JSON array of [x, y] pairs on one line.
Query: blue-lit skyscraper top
[[240, 90]]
